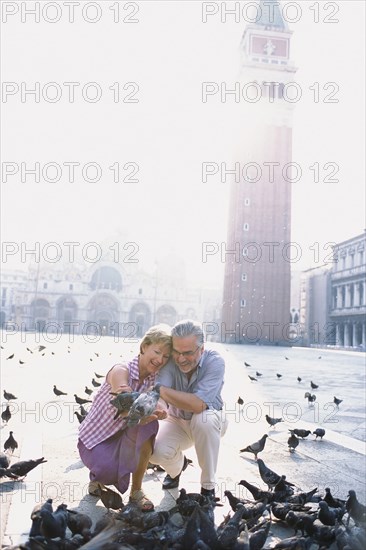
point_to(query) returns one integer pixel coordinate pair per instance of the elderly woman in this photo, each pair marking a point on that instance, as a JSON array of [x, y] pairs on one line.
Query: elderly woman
[[110, 450]]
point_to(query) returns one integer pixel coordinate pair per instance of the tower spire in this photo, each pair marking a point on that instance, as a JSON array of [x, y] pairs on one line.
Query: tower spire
[[270, 17]]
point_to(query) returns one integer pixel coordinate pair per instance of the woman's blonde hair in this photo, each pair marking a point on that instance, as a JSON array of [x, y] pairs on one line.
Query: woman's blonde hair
[[158, 334]]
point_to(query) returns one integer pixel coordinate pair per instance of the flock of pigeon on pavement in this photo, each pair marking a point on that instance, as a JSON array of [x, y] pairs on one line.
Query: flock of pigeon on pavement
[[314, 520]]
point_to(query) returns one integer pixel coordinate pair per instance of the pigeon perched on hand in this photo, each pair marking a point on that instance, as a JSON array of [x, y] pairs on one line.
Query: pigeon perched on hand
[[255, 447], [124, 401], [143, 406]]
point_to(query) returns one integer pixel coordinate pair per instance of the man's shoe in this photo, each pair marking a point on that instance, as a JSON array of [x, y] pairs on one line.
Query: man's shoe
[[209, 493], [173, 482]]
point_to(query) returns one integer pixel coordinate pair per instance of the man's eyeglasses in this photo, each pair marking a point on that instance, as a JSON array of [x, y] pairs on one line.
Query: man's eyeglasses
[[185, 353]]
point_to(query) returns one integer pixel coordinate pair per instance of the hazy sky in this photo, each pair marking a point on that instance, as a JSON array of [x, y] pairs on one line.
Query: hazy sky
[[163, 137]]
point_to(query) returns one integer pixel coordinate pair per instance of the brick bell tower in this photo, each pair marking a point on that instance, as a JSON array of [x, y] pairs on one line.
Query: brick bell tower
[[256, 298]]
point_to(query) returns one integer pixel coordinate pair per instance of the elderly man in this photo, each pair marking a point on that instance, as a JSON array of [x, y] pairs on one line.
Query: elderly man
[[191, 385]]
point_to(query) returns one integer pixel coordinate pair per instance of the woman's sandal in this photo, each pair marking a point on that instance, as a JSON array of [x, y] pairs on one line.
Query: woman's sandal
[[140, 499]]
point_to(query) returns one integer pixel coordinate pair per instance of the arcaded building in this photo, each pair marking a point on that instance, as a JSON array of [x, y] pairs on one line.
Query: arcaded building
[[348, 293]]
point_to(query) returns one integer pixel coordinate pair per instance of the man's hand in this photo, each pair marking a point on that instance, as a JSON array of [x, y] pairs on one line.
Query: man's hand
[[157, 415]]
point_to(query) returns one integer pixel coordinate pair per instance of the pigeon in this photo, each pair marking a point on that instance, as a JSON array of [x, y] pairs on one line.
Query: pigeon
[[337, 401], [355, 509], [54, 524], [240, 401], [41, 348], [233, 500], [58, 392], [258, 494], [229, 534], [30, 351], [252, 378], [310, 397], [79, 416], [4, 460], [300, 432], [23, 467], [328, 516], [10, 356], [270, 478], [110, 498], [10, 443], [98, 375], [9, 396], [78, 523], [143, 406], [279, 375], [287, 358], [83, 411], [331, 501], [296, 520], [81, 401], [319, 432], [292, 442], [247, 364], [124, 401], [299, 379], [255, 447], [36, 518], [95, 383], [88, 390], [6, 414], [258, 373], [21, 362], [5, 472], [273, 421], [313, 386]]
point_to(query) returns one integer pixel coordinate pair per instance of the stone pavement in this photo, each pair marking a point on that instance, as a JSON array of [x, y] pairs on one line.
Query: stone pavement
[[47, 427]]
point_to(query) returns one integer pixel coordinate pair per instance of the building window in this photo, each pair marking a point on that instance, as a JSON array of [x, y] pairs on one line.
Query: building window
[[361, 257], [246, 202], [244, 277], [71, 287], [140, 290], [246, 227], [45, 285], [242, 302]]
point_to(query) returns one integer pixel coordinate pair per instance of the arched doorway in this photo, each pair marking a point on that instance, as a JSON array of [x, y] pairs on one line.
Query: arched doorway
[[66, 313], [140, 315], [103, 311]]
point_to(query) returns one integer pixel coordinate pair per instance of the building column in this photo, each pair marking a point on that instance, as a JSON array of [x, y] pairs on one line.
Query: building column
[[363, 336], [346, 335], [348, 295], [356, 295], [338, 335], [339, 296]]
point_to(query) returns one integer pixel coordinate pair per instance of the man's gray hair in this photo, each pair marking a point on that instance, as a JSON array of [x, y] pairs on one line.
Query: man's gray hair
[[189, 328]]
